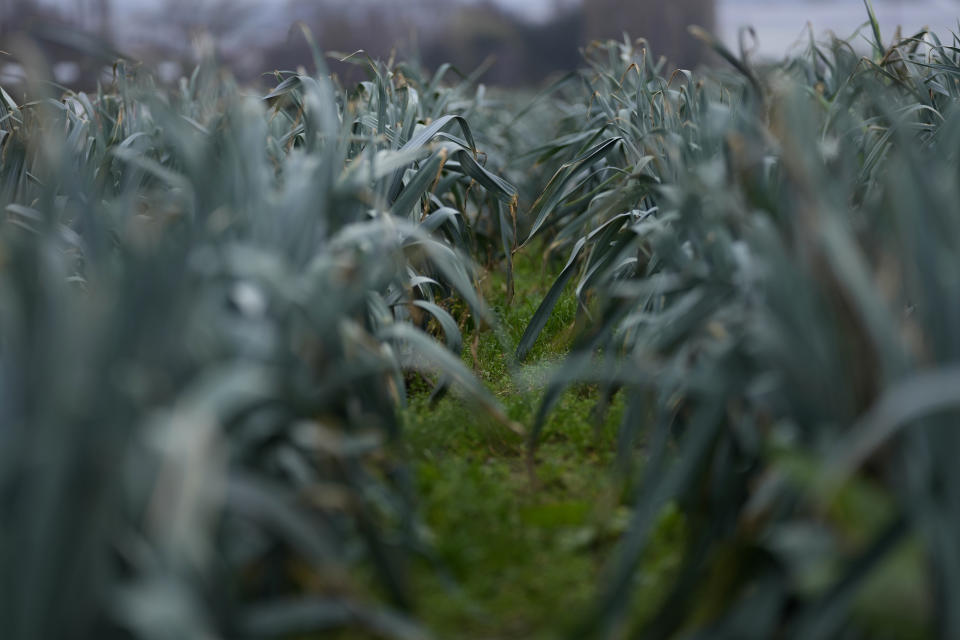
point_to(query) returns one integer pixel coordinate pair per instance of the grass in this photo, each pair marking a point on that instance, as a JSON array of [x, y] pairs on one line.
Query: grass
[[499, 531]]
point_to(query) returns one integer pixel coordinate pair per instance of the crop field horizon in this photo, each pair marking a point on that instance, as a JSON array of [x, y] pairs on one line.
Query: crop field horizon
[[644, 353]]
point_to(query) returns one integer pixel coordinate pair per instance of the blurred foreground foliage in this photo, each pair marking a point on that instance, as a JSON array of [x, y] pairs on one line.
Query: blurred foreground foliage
[[210, 306], [766, 267]]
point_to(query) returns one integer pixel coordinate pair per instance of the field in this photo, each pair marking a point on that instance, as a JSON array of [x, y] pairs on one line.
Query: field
[[651, 353]]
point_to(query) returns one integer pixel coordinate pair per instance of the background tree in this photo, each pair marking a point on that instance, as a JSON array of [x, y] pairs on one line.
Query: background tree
[[664, 24], [15, 13]]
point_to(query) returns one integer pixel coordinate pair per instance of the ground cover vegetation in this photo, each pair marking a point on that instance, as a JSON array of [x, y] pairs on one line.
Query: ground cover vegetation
[[654, 354]]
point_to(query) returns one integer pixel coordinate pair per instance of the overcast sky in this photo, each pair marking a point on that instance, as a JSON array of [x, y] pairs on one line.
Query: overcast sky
[[534, 9]]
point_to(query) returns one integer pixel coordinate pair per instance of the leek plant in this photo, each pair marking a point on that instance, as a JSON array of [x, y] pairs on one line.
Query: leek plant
[[766, 264], [212, 303]]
